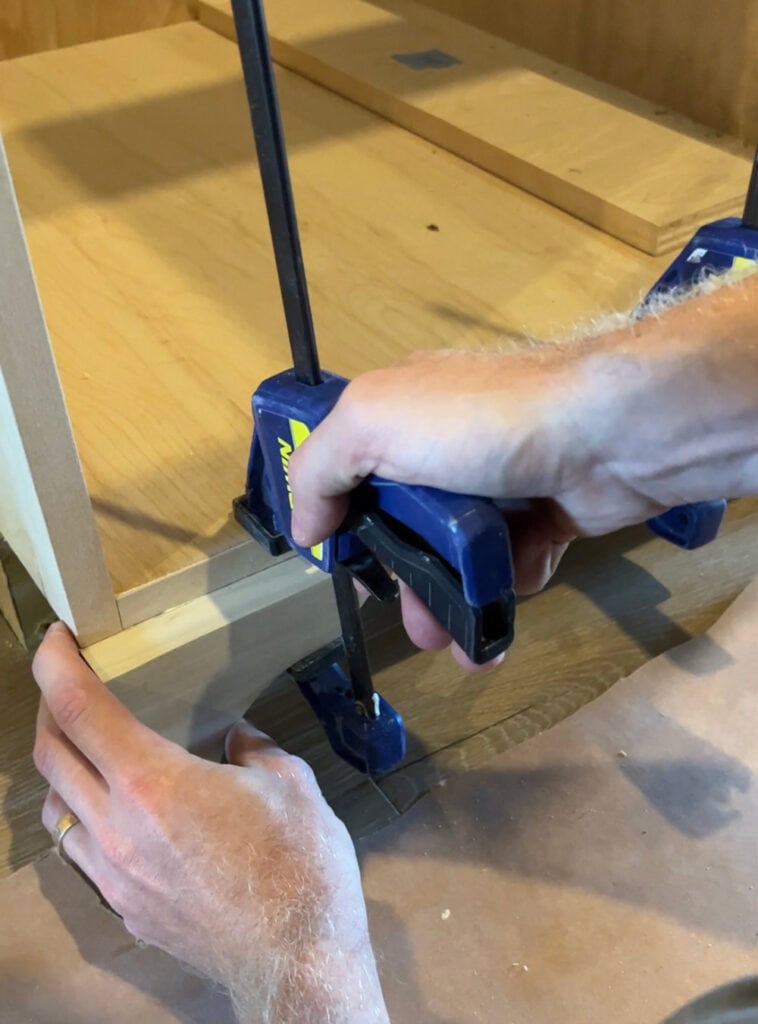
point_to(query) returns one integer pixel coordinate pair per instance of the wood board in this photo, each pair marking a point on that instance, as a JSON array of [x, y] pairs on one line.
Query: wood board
[[588, 148], [143, 210], [28, 26], [45, 512], [657, 49], [194, 670]]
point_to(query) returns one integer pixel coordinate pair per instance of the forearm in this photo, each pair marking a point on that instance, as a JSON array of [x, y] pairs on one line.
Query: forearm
[[674, 399], [322, 987]]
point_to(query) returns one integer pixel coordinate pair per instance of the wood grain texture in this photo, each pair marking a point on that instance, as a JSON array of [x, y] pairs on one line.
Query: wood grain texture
[[240, 559], [691, 56], [45, 512], [28, 26], [589, 149], [192, 671], [145, 218]]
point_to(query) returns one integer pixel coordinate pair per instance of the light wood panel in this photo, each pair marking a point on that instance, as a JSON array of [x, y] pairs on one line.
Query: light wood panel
[[589, 149], [144, 216], [692, 56], [45, 513], [28, 26], [192, 671]]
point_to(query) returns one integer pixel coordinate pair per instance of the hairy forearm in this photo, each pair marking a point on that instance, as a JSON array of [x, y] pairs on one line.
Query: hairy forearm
[[674, 398], [314, 990]]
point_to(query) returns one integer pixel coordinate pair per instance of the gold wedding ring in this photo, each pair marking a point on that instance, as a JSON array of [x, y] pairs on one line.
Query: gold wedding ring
[[63, 826]]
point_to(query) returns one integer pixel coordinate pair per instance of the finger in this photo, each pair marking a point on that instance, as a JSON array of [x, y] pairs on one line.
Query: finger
[[540, 537], [77, 845], [245, 744], [79, 784], [85, 710], [424, 630], [534, 565], [460, 656], [322, 472]]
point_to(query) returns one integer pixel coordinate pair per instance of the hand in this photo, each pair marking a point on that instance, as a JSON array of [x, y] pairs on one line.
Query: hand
[[240, 870], [506, 426]]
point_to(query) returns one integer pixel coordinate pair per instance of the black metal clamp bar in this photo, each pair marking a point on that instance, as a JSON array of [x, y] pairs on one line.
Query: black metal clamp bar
[[262, 99]]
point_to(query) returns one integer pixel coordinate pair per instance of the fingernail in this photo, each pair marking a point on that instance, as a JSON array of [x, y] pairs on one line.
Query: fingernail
[[56, 627]]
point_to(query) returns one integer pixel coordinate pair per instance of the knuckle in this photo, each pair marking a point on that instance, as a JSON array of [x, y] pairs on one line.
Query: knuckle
[[142, 790], [117, 851], [69, 707], [137, 790], [358, 394], [362, 405], [297, 773]]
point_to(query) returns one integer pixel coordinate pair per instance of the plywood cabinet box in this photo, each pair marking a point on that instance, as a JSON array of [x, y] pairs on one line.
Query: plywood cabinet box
[[139, 309]]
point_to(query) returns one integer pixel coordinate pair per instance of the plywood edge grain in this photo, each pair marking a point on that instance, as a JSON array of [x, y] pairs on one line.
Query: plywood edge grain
[[45, 511], [590, 149], [204, 576], [191, 671]]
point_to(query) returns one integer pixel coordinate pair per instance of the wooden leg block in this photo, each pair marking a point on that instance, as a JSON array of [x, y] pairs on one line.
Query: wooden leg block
[[192, 671]]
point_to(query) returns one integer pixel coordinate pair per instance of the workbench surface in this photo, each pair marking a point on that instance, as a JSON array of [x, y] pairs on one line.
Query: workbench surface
[[133, 163]]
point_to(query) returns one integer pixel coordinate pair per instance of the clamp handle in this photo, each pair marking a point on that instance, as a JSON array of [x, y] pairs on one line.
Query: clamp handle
[[452, 550]]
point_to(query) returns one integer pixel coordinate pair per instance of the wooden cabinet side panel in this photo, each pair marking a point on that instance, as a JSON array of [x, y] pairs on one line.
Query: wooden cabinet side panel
[[691, 56], [30, 26], [45, 511]]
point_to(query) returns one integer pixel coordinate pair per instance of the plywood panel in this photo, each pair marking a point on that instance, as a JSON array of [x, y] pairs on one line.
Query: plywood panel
[[194, 670], [144, 216], [45, 512], [28, 26], [692, 56], [587, 148]]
